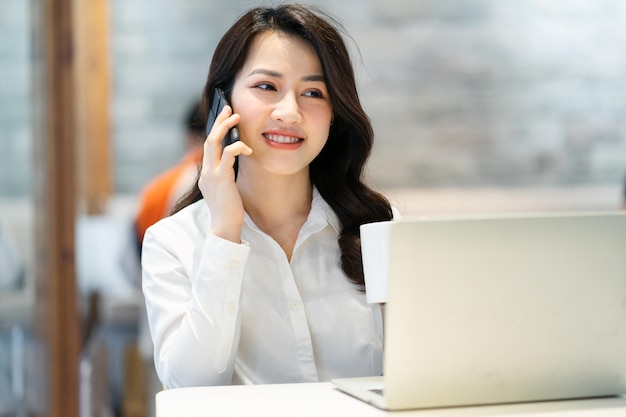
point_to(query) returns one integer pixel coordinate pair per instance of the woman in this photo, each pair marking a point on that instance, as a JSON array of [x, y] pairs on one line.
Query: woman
[[257, 276]]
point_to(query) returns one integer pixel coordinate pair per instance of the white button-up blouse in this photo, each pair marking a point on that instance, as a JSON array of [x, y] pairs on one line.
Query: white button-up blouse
[[223, 313]]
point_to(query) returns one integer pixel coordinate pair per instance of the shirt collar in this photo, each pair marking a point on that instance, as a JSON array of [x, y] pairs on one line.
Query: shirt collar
[[321, 210], [320, 216]]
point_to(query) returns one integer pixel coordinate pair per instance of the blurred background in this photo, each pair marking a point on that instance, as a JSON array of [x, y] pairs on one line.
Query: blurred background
[[477, 105]]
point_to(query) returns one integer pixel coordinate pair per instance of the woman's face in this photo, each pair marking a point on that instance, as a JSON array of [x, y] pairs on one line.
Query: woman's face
[[281, 96]]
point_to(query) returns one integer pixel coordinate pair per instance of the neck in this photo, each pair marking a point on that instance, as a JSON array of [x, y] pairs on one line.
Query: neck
[[278, 205], [273, 199]]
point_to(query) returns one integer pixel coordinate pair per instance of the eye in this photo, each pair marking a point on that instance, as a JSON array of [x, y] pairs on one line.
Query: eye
[[314, 94], [265, 86]]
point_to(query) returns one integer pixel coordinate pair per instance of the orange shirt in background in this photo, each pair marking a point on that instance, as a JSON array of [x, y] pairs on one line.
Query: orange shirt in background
[[161, 194]]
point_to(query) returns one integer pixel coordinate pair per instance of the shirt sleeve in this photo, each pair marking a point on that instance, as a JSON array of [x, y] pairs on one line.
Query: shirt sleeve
[[193, 311]]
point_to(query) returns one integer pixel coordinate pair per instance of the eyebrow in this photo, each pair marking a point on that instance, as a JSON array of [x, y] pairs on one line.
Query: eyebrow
[[275, 74]]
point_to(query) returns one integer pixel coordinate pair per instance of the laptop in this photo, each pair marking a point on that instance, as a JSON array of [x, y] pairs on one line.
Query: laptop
[[501, 309]]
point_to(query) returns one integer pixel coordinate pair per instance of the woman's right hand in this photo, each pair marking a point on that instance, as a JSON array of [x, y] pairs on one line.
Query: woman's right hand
[[217, 178]]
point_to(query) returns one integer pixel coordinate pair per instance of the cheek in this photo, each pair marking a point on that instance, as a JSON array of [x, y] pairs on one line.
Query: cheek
[[251, 113], [322, 117]]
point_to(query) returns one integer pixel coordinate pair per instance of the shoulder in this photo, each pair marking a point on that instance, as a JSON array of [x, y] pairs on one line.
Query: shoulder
[[189, 223]]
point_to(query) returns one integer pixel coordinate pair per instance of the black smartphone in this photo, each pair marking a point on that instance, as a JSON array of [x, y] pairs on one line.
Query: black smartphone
[[218, 103]]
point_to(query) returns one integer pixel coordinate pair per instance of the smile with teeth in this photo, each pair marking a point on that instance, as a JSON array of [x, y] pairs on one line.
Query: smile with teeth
[[281, 138]]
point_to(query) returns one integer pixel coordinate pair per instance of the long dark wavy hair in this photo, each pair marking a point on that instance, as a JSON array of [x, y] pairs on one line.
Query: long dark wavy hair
[[337, 172]]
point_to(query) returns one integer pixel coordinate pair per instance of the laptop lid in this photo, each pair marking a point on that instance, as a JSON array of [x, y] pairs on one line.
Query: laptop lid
[[501, 309]]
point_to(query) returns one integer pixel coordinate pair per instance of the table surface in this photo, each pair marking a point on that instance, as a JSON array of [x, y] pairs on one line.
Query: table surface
[[323, 399]]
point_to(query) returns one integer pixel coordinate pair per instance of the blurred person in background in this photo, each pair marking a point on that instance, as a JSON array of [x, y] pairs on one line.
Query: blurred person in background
[[161, 194]]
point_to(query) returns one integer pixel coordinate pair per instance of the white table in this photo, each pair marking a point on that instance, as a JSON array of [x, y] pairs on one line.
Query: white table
[[323, 400]]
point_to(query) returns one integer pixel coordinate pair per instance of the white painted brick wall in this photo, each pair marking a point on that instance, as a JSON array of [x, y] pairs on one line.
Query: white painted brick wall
[[462, 93]]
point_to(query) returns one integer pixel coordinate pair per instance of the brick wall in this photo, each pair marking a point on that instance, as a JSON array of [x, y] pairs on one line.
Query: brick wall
[[461, 92]]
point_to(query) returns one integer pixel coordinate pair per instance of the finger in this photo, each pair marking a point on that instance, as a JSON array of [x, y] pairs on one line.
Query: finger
[[212, 139], [213, 143], [231, 152]]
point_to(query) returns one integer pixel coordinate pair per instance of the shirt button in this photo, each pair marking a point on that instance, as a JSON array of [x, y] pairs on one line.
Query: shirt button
[[295, 305], [231, 307], [234, 263]]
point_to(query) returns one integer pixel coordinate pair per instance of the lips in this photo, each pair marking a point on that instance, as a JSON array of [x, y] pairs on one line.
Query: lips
[[282, 138]]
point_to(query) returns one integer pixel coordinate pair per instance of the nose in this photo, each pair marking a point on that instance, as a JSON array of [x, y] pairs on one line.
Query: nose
[[287, 109]]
